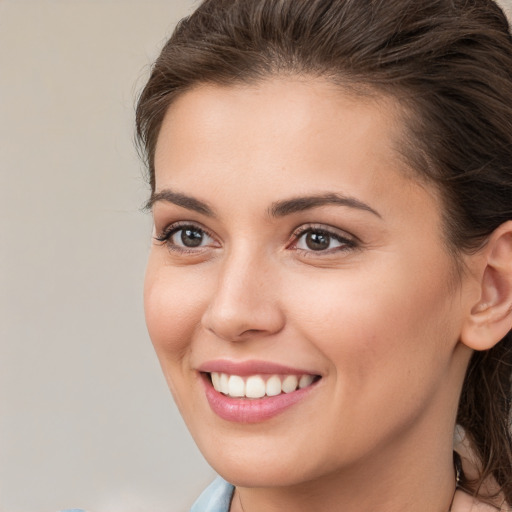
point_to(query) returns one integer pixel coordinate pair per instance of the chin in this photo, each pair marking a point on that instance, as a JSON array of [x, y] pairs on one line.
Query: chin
[[261, 461], [243, 473]]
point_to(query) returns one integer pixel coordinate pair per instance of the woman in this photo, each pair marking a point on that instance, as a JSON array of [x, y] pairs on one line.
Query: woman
[[329, 291]]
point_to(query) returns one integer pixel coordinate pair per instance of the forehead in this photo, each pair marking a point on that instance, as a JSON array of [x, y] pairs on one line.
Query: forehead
[[284, 137], [276, 121]]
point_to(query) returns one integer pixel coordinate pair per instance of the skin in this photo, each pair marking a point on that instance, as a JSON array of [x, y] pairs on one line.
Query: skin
[[378, 317]]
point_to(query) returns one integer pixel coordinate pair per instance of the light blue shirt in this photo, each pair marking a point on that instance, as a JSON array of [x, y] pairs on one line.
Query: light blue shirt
[[215, 498]]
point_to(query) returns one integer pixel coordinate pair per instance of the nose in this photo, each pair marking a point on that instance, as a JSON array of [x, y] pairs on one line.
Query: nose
[[245, 301]]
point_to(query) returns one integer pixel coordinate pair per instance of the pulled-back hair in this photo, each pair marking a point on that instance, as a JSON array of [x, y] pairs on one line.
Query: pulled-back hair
[[447, 63]]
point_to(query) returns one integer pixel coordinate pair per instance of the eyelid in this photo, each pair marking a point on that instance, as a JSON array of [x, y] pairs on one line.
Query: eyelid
[[350, 241], [331, 230], [170, 229]]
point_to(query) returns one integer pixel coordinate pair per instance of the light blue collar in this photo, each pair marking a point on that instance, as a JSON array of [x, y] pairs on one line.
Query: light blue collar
[[215, 498]]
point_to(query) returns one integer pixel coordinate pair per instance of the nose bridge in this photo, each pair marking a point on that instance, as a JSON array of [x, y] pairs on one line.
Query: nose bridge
[[244, 301]]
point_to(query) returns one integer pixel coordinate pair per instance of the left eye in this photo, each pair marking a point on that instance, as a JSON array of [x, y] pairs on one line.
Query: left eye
[[320, 240]]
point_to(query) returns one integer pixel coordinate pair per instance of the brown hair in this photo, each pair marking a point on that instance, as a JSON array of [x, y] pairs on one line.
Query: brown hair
[[447, 62]]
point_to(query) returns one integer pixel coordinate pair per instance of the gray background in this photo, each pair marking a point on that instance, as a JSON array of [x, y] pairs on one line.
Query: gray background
[[86, 419]]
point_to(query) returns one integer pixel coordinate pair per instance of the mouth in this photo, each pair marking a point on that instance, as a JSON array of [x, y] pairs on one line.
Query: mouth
[[253, 392], [259, 386]]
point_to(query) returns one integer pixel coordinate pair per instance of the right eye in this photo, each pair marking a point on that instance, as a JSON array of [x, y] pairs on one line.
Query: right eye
[[186, 238]]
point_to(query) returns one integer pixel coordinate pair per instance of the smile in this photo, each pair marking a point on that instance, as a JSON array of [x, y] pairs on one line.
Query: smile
[[254, 391], [259, 386]]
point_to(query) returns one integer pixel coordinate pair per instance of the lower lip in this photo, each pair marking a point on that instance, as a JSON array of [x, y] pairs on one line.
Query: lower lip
[[251, 410]]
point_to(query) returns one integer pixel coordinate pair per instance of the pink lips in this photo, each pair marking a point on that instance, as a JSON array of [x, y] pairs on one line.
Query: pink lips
[[245, 410], [249, 368]]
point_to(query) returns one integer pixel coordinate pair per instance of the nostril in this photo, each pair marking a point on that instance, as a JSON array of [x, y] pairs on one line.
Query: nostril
[[238, 311]]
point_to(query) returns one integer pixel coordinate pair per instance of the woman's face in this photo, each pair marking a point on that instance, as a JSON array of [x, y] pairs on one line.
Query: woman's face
[[296, 253]]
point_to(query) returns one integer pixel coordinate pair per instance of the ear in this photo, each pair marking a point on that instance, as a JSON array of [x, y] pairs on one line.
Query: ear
[[490, 316]]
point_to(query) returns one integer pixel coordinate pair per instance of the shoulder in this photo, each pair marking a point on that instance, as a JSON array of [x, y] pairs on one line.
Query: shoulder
[[463, 502], [472, 468], [215, 498]]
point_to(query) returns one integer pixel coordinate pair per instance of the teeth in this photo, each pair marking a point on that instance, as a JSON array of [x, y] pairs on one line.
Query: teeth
[[216, 380], [236, 386], [290, 383], [224, 384], [305, 381], [255, 386], [273, 387]]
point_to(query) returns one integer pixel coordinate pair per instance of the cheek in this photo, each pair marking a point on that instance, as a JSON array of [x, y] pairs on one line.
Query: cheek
[[173, 306], [386, 343], [377, 322]]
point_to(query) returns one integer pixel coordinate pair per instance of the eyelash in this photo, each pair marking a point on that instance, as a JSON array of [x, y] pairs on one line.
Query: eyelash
[[173, 229], [347, 243]]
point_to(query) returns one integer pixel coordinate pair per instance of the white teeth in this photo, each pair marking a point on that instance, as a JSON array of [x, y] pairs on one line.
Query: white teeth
[[305, 381], [224, 383], [255, 386], [273, 386], [290, 383], [236, 386], [216, 380]]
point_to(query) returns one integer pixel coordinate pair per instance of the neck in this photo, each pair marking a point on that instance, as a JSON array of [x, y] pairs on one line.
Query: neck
[[416, 475]]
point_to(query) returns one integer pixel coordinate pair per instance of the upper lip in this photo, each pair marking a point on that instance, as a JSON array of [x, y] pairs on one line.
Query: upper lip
[[251, 367]]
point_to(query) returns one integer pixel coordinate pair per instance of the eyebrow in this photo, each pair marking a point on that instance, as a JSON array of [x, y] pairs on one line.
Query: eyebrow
[[278, 208], [188, 202], [298, 204]]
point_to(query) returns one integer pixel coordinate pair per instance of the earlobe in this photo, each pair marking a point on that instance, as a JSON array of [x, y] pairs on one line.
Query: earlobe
[[490, 317]]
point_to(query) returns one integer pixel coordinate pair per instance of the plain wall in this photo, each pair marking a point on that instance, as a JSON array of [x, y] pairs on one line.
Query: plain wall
[[86, 419]]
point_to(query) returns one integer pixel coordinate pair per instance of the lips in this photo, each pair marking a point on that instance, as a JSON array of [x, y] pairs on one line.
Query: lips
[[254, 391]]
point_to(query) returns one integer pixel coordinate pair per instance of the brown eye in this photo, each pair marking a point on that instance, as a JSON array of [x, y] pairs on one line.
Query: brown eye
[[184, 237], [191, 237], [321, 240], [317, 241]]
